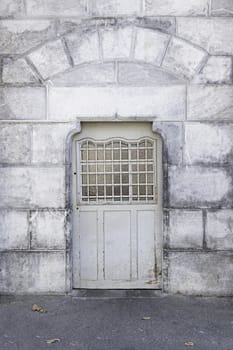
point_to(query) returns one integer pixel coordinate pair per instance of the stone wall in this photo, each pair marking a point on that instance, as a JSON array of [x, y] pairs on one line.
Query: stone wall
[[170, 60]]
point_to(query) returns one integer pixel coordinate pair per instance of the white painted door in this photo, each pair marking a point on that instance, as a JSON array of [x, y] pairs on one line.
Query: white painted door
[[117, 207]]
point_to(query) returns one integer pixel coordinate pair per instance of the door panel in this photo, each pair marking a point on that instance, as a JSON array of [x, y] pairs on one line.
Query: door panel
[[88, 245], [117, 208], [146, 244], [117, 239]]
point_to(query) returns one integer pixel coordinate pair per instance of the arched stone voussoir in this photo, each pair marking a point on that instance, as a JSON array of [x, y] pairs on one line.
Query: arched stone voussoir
[[183, 58], [18, 72], [130, 43]]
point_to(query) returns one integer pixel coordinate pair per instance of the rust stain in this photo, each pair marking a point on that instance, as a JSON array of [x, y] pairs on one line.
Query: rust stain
[[152, 282]]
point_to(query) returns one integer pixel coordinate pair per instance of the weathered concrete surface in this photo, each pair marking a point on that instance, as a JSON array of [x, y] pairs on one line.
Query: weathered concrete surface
[[183, 59], [48, 143], [22, 103], [34, 187], [219, 230], [198, 186], [163, 102], [83, 48], [170, 60], [213, 34], [176, 7], [143, 74], [172, 134], [185, 229], [208, 143], [51, 52], [42, 272], [18, 37], [201, 273], [150, 46], [165, 24], [218, 70], [11, 7], [18, 72], [116, 42], [222, 8], [15, 146], [174, 320], [48, 230], [115, 7], [56, 7], [210, 102], [88, 74], [14, 229]]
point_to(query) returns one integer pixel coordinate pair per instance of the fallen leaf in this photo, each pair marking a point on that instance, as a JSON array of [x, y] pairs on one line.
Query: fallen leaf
[[37, 308], [146, 318], [188, 343], [52, 341]]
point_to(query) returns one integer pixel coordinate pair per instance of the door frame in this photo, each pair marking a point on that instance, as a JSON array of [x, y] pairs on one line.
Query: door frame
[[69, 191]]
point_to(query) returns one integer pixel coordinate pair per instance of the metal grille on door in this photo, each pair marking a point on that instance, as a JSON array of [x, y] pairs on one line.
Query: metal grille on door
[[117, 171]]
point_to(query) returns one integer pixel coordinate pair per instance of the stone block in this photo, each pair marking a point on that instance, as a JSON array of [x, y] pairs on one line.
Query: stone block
[[164, 24], [14, 229], [48, 230], [22, 103], [10, 8], [87, 74], [32, 272], [142, 74], [56, 8], [185, 229], [32, 187], [196, 186], [48, 187], [50, 59], [172, 134], [176, 7], [200, 273], [219, 230], [210, 102], [15, 143], [183, 59], [115, 7], [83, 47], [18, 72], [218, 70], [162, 102], [208, 143], [18, 37], [116, 43], [221, 8], [150, 45], [48, 142], [212, 34]]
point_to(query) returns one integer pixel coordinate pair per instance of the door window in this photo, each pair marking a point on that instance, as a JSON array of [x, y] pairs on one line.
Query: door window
[[117, 171]]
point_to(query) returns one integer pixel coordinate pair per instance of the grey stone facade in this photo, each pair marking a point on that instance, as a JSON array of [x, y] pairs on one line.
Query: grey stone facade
[[164, 60]]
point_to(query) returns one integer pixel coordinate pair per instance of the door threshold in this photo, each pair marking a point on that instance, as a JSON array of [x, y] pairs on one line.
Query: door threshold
[[116, 293]]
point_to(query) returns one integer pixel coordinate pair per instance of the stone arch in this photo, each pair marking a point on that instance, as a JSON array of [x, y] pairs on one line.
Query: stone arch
[[138, 45]]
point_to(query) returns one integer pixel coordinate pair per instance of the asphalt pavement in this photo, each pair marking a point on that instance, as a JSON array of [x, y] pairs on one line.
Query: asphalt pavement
[[162, 322]]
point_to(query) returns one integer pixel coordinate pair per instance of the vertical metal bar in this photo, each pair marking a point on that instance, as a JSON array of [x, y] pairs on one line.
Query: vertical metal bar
[[120, 171], [130, 176], [88, 173], [104, 175], [138, 169], [78, 173], [96, 174], [155, 168], [112, 172]]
